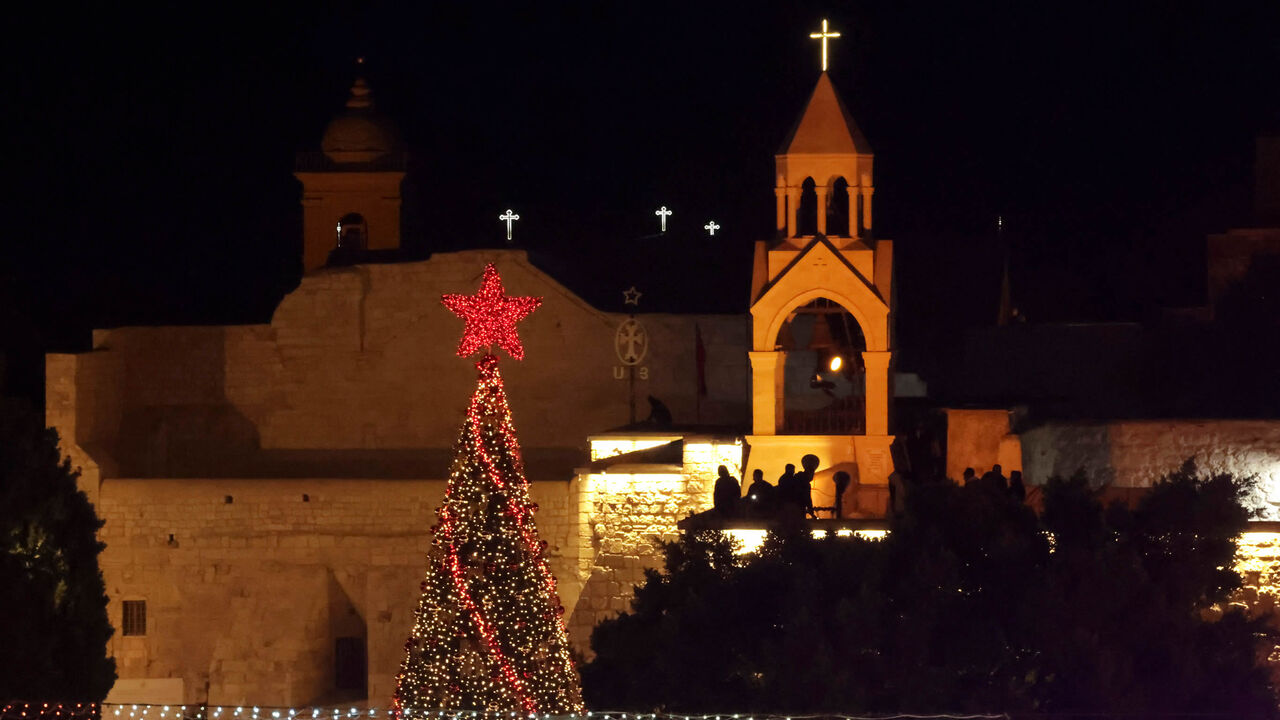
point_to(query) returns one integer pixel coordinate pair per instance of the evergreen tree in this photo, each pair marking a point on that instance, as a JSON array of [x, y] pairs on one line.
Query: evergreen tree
[[488, 633], [966, 606], [54, 636]]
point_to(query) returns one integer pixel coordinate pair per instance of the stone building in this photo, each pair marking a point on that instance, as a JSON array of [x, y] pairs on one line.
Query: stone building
[[268, 489]]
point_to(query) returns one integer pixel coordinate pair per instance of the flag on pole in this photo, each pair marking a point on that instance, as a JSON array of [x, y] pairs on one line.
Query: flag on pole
[[700, 356]]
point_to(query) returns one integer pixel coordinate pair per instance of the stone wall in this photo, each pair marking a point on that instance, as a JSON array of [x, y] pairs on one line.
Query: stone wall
[[627, 515], [1136, 453], [979, 439], [361, 359], [245, 599], [1258, 563]]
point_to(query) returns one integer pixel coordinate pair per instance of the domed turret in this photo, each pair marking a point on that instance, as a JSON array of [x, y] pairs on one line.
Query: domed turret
[[359, 134], [351, 189]]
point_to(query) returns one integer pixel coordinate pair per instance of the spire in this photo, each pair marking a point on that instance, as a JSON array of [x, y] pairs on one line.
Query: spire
[[825, 126]]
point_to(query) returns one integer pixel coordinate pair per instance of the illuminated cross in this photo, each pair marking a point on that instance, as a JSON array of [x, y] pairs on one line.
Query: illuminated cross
[[711, 227], [663, 212], [509, 217], [824, 36]]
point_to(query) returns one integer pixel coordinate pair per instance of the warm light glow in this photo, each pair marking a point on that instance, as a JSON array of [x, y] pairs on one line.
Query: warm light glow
[[606, 447], [747, 541], [836, 363], [509, 217], [824, 36]]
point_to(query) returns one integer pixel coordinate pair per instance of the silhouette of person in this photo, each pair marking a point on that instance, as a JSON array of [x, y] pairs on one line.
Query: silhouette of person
[[969, 476], [788, 504], [760, 495], [804, 484], [726, 494], [897, 493], [995, 480], [1017, 489], [842, 483], [659, 415]]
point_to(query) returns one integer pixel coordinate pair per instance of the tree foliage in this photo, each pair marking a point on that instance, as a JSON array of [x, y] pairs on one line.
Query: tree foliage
[[971, 603], [54, 630]]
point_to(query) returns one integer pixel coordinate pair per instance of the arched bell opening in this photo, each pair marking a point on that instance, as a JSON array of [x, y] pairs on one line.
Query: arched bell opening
[[353, 232], [838, 209], [807, 212], [824, 380]]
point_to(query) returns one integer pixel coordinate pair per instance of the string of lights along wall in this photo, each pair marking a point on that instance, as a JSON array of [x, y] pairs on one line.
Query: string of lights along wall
[[114, 711], [488, 633]]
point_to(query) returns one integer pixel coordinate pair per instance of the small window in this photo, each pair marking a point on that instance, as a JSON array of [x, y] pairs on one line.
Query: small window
[[135, 617]]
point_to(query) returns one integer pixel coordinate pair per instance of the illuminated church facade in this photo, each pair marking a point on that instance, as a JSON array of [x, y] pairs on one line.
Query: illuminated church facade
[[268, 490]]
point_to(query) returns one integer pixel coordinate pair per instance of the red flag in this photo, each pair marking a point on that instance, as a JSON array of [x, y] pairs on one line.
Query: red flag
[[700, 356]]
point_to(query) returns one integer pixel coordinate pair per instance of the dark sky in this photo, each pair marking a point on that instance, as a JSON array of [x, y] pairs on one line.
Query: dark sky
[[153, 150]]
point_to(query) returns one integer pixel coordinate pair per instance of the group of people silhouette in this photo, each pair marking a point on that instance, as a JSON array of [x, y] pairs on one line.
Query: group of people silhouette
[[792, 497], [995, 481]]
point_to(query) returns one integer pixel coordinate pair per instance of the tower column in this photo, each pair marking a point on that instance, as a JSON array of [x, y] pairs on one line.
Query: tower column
[[781, 194], [793, 210], [854, 230], [877, 383], [766, 391], [821, 192], [867, 191]]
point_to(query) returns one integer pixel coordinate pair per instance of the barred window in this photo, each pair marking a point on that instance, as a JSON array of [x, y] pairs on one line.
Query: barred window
[[135, 617]]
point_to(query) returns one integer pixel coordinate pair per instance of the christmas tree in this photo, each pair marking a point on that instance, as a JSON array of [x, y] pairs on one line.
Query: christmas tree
[[488, 633]]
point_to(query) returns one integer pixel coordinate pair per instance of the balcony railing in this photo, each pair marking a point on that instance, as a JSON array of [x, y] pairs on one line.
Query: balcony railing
[[846, 416]]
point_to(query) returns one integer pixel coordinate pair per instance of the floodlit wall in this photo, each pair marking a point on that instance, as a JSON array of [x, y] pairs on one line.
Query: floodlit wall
[[351, 396], [245, 599], [1136, 453]]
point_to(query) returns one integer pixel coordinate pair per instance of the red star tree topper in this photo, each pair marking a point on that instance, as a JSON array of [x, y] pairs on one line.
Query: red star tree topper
[[491, 316], [488, 633]]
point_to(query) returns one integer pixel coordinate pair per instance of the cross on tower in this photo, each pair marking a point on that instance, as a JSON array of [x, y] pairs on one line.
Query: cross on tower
[[663, 212], [509, 217], [711, 227], [824, 36]]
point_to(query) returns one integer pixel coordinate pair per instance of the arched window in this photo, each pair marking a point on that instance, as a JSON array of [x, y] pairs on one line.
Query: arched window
[[807, 213], [353, 232], [838, 209]]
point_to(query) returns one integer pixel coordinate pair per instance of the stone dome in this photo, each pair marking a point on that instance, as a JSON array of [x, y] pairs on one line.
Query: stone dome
[[359, 134]]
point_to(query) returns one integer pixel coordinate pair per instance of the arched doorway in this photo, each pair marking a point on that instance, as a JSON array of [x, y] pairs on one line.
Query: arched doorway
[[824, 383]]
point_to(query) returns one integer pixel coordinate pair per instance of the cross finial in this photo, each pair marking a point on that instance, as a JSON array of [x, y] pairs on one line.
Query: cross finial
[[824, 36], [711, 227], [662, 213], [509, 217]]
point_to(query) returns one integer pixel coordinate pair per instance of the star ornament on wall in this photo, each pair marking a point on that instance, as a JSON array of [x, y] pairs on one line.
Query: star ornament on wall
[[491, 316]]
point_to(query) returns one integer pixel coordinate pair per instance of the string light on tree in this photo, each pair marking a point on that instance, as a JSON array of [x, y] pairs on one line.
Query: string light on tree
[[509, 217], [824, 36], [663, 213], [711, 227], [488, 633]]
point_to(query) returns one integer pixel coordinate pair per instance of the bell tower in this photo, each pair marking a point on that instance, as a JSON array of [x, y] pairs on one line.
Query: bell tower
[[351, 189], [822, 310]]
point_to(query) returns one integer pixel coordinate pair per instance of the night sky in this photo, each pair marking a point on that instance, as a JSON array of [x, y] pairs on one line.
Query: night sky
[[152, 151]]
